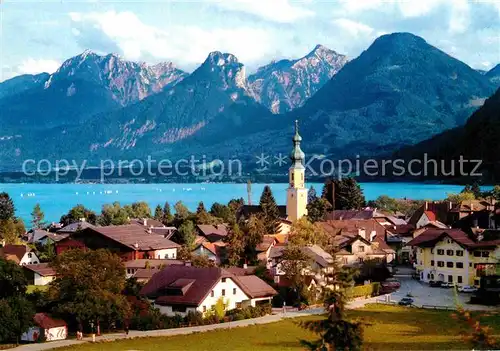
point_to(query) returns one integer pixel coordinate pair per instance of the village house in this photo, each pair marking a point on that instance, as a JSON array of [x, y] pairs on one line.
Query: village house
[[453, 256], [264, 248], [21, 254], [155, 227], [183, 289], [75, 227], [215, 251], [46, 328], [44, 237], [39, 274], [130, 242], [359, 240], [212, 232]]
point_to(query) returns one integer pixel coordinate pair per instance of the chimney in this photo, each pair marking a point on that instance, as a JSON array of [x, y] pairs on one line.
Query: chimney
[[450, 205], [145, 222], [136, 245], [150, 230], [426, 206], [245, 266], [362, 233]]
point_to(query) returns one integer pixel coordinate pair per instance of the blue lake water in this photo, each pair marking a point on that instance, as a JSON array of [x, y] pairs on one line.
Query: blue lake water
[[57, 199]]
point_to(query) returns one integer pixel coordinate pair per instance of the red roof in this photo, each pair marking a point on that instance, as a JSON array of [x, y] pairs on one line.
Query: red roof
[[42, 269], [431, 215], [46, 322], [431, 236]]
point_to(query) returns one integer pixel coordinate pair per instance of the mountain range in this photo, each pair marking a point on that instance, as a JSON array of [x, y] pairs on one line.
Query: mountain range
[[398, 92]]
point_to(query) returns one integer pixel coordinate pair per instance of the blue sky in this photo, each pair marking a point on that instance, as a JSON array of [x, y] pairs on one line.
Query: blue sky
[[39, 35]]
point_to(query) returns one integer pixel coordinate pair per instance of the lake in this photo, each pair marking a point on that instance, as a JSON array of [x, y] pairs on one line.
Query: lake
[[57, 199]]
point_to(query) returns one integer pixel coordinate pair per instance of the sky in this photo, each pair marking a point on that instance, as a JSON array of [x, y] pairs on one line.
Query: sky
[[38, 35]]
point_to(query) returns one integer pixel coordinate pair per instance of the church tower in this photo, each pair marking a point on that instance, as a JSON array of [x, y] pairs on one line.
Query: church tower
[[296, 199]]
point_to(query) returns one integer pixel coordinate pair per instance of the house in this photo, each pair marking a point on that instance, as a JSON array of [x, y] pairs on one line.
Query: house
[[264, 248], [344, 215], [215, 252], [75, 227], [474, 213], [20, 254], [44, 237], [39, 274], [46, 328], [451, 255], [131, 267], [359, 240], [320, 262], [130, 241], [212, 233], [183, 289], [430, 212]]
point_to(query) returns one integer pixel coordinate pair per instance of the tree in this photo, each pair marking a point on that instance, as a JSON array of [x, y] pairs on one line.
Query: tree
[[12, 279], [476, 190], [270, 211], [254, 231], [37, 217], [201, 261], [458, 198], [181, 213], [16, 312], [88, 288], [158, 213], [167, 215], [187, 234], [9, 232], [294, 262], [113, 215], [7, 208], [304, 233], [317, 209], [221, 211], [311, 195], [235, 204], [235, 244], [140, 210], [202, 216], [344, 194], [78, 213], [335, 331]]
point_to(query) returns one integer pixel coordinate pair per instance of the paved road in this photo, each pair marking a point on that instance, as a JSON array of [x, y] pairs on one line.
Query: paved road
[[423, 294]]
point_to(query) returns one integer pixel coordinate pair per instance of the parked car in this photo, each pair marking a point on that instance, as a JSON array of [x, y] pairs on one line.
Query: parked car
[[434, 284], [391, 283], [467, 289], [447, 285], [405, 301]]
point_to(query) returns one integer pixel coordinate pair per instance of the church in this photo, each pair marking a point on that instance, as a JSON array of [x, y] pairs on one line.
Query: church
[[296, 199]]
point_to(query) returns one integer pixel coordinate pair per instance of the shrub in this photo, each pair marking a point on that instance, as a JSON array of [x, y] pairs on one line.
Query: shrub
[[363, 290]]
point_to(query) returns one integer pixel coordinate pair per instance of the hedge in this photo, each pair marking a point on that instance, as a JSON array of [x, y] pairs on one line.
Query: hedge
[[363, 290]]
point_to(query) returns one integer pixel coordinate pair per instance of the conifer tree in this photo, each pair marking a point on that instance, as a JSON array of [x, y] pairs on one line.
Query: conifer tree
[[167, 214], [269, 210], [202, 216], [158, 213], [37, 217], [235, 244], [311, 195]]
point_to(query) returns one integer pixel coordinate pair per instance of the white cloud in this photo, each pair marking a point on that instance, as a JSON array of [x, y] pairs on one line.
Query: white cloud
[[34, 66], [459, 17], [353, 28], [182, 44], [281, 11]]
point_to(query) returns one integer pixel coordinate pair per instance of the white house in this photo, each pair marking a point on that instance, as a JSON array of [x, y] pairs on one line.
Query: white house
[[213, 251], [183, 289], [39, 274], [48, 328], [20, 254]]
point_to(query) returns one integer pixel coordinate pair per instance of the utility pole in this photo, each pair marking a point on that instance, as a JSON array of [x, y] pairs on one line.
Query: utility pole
[[249, 192]]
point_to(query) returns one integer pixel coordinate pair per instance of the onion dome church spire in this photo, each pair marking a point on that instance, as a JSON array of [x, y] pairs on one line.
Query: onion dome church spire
[[296, 200], [297, 155]]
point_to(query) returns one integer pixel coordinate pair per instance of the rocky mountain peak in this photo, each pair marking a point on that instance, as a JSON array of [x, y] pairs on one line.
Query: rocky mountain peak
[[223, 69]]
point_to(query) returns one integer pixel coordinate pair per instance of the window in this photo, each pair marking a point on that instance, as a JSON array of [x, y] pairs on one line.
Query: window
[[204, 308], [223, 292], [459, 265], [459, 252], [428, 276], [485, 254], [459, 279], [234, 291], [361, 248], [421, 250], [477, 253], [449, 264], [440, 252], [432, 262], [345, 260], [450, 279], [449, 252], [432, 276], [178, 308], [440, 264], [224, 280], [30, 255], [212, 293], [361, 260]]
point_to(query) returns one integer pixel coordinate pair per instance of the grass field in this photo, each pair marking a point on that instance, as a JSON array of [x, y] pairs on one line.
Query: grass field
[[388, 328]]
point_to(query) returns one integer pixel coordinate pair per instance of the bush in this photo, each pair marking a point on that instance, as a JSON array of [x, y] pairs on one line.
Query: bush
[[368, 290], [249, 312]]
